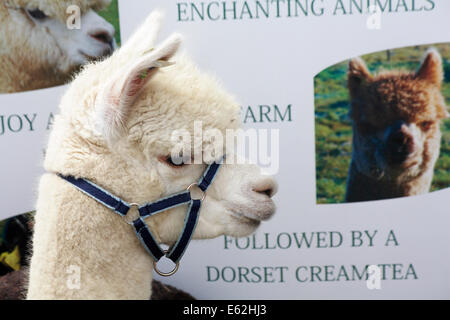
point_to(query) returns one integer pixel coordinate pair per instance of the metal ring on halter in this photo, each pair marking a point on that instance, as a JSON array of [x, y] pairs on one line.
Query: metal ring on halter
[[129, 218], [196, 185], [164, 274]]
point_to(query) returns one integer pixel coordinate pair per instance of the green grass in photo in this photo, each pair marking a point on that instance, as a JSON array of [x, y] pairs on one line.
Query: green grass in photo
[[111, 14]]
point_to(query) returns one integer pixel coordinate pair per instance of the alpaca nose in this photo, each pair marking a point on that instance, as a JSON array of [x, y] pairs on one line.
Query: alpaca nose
[[266, 187], [400, 144]]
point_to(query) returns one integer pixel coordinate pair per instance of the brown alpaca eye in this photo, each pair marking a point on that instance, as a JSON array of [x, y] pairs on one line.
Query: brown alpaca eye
[[37, 14], [426, 125]]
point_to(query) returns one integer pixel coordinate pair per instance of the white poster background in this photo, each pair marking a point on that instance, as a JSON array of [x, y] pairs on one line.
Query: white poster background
[[272, 61], [25, 121]]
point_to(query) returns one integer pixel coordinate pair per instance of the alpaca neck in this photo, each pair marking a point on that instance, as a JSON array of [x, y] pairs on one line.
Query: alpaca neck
[[363, 188], [24, 66], [82, 250], [75, 232], [15, 78]]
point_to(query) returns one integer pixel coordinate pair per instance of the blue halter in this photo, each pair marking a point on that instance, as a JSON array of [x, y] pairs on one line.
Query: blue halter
[[146, 210]]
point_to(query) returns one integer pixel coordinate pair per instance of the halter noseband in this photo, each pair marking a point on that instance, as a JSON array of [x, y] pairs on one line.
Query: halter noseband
[[149, 209]]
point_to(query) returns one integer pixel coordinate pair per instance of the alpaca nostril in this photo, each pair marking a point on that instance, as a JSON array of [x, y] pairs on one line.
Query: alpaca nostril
[[102, 36], [400, 145], [267, 188], [267, 192], [400, 142], [400, 138]]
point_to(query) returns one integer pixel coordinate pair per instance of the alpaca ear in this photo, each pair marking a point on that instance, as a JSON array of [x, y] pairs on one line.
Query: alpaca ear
[[114, 103], [144, 38], [357, 73], [431, 69]]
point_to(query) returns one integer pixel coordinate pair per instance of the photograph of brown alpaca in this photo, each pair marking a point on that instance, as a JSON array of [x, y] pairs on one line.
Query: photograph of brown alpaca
[[396, 117]]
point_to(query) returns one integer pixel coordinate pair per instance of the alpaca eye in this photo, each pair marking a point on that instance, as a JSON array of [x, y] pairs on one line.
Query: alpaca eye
[[426, 125], [37, 14], [174, 163]]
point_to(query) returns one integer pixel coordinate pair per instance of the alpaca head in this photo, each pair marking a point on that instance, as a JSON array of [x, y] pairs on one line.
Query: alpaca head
[[36, 36], [396, 117], [134, 108]]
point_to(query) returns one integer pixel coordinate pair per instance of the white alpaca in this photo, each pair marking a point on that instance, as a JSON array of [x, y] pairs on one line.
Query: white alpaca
[[115, 129], [38, 50]]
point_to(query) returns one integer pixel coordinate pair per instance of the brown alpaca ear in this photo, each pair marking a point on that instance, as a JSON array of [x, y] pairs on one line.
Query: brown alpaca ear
[[357, 73], [431, 69]]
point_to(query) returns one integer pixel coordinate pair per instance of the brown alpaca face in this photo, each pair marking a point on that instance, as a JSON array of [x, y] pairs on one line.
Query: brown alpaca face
[[396, 117]]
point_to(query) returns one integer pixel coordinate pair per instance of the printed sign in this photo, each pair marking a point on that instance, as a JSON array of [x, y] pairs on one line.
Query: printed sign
[[287, 62], [36, 60], [353, 98]]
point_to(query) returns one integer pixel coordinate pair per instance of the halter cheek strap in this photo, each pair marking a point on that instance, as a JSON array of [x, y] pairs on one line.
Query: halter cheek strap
[[149, 209]]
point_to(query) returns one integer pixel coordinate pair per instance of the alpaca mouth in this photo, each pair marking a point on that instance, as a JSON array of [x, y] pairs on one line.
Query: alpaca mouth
[[90, 58], [253, 215], [408, 165], [245, 218]]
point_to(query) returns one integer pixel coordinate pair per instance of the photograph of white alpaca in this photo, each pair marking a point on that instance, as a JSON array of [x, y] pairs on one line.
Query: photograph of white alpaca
[[114, 129], [38, 50]]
